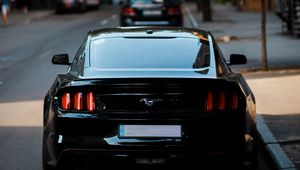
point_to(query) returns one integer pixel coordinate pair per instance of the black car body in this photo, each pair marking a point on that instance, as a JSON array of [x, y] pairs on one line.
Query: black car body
[[148, 95], [151, 12]]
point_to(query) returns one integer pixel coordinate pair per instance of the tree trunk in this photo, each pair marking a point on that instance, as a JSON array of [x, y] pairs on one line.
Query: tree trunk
[[263, 35], [199, 5], [206, 9]]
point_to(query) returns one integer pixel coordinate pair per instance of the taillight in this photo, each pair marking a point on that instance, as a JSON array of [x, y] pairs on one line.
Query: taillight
[[174, 11], [66, 101], [209, 103], [127, 11], [222, 101], [78, 102], [90, 102], [234, 101]]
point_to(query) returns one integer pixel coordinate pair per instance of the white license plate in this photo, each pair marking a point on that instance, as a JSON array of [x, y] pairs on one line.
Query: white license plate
[[152, 13], [69, 1], [150, 131]]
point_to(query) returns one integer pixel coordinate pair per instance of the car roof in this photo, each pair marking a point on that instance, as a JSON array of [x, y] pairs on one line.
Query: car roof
[[161, 32]]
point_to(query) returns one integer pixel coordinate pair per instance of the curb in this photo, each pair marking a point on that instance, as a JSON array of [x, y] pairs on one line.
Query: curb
[[280, 159]]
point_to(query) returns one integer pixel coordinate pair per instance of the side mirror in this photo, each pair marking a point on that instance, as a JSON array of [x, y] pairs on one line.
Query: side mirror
[[236, 59], [61, 59]]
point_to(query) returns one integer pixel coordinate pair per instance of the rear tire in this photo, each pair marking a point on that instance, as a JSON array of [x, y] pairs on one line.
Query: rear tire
[[44, 157]]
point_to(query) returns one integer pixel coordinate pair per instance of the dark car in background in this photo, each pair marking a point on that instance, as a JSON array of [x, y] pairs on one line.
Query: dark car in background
[[62, 6], [151, 12], [152, 95]]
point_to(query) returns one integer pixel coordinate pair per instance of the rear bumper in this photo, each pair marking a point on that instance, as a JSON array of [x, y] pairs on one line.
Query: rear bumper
[[170, 157], [91, 138]]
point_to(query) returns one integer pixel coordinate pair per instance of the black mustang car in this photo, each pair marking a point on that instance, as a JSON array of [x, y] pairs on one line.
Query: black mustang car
[[151, 12], [149, 96]]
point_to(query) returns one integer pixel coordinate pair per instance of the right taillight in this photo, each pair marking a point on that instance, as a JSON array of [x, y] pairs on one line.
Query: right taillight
[[209, 103], [234, 101], [221, 101], [128, 11]]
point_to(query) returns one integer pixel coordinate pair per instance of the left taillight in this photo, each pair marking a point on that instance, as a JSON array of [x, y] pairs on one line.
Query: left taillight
[[66, 101], [90, 102], [78, 101]]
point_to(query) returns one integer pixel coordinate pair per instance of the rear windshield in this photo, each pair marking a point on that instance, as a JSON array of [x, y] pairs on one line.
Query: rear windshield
[[174, 53]]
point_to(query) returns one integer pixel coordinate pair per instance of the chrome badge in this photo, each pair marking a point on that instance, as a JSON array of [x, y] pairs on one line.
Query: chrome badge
[[149, 102]]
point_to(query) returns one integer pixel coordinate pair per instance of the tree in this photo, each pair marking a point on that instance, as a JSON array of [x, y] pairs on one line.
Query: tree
[[263, 35], [206, 9]]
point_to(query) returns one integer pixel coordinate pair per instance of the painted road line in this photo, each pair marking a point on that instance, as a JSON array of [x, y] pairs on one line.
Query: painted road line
[[190, 16]]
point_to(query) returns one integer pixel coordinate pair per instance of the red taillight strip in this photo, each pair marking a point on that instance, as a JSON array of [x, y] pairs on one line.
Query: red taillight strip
[[78, 102], [209, 104], [127, 11], [66, 101], [222, 101], [90, 103], [234, 101]]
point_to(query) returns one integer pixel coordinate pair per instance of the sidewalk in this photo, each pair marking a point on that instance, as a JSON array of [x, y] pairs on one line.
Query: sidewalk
[[277, 93], [19, 17], [277, 97], [244, 28]]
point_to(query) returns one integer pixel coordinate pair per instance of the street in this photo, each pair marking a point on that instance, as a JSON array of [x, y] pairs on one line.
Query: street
[[26, 73]]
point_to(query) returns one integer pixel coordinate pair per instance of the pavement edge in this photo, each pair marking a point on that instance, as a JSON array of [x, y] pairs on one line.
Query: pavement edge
[[281, 160]]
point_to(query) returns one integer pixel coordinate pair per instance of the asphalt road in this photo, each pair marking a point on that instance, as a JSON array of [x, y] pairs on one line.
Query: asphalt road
[[26, 73]]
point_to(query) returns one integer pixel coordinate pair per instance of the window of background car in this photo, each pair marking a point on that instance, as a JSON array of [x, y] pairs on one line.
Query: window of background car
[[157, 52]]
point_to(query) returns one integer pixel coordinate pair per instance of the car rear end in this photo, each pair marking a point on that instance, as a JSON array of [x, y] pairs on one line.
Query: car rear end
[[69, 5], [148, 121], [93, 3], [157, 14]]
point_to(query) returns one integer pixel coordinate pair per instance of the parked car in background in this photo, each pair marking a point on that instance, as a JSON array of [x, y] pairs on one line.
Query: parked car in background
[[75, 5], [151, 12]]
